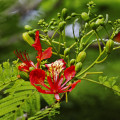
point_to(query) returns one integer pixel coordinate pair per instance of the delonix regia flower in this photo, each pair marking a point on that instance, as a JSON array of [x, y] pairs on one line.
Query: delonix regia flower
[[57, 79], [27, 63]]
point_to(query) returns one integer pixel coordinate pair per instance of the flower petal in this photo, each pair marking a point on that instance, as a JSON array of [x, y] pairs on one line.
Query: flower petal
[[47, 53], [69, 72], [57, 97], [42, 91], [37, 44], [73, 85], [50, 82], [37, 76], [60, 81], [23, 56]]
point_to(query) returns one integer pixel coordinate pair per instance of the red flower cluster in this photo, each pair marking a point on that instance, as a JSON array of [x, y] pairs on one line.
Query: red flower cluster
[[57, 79]]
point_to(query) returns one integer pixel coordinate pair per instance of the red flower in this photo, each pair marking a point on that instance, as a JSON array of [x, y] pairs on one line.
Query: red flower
[[23, 56], [37, 45], [57, 79], [117, 37]]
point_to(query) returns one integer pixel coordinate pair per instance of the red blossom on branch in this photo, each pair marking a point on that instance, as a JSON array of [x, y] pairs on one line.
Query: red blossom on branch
[[37, 45], [57, 79], [26, 62]]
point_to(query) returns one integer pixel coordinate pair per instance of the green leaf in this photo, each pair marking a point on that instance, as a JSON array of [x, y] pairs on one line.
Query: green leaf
[[49, 98]]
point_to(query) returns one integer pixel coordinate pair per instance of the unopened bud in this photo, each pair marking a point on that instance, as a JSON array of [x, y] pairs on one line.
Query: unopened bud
[[85, 16], [62, 25], [93, 25], [66, 51], [74, 14], [58, 15], [100, 21], [64, 13], [109, 46], [78, 67], [28, 39], [72, 62], [31, 68], [81, 56], [41, 21], [28, 27], [68, 18], [100, 16]]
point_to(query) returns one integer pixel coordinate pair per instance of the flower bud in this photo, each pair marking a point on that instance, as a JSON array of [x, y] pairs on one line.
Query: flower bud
[[81, 56], [28, 39], [73, 14], [58, 15], [52, 27], [64, 13], [62, 25], [78, 67], [85, 16], [100, 21], [24, 75], [28, 27], [45, 31], [31, 68], [109, 22], [66, 51], [51, 23], [41, 21], [100, 16], [93, 25], [68, 18], [72, 61], [109, 46]]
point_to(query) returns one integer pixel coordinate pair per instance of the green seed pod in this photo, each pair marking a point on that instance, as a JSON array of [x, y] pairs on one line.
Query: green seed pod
[[85, 16], [81, 56], [62, 25], [64, 13], [58, 15], [73, 14], [100, 21], [78, 67], [109, 46], [93, 25], [31, 68], [66, 51], [68, 18], [28, 27], [72, 61], [27, 38]]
